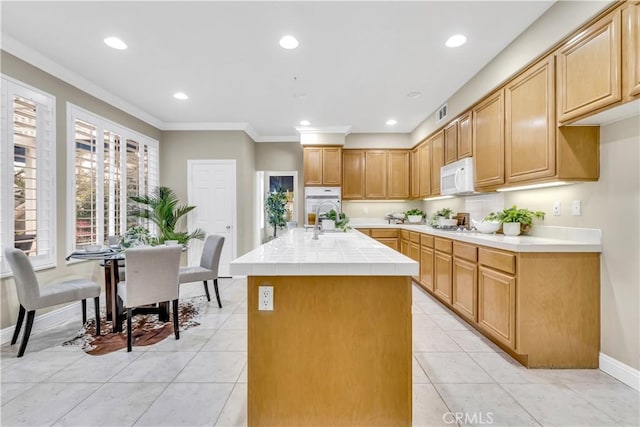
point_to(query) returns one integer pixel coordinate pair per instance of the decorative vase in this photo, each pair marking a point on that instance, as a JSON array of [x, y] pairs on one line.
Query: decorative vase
[[511, 228]]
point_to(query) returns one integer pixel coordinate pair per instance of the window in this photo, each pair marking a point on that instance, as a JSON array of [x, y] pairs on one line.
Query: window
[[27, 155], [109, 164]]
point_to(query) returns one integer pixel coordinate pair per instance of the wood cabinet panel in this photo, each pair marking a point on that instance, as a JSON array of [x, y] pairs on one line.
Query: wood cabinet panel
[[499, 260], [312, 164], [437, 161], [465, 251], [353, 175], [442, 277], [488, 141], [464, 295], [589, 68], [497, 305], [414, 237], [426, 240], [389, 241], [415, 174], [451, 142], [365, 231], [424, 164], [530, 131], [443, 245], [384, 232], [404, 247], [631, 49], [464, 136], [398, 185], [414, 251], [426, 267], [332, 166], [375, 182]]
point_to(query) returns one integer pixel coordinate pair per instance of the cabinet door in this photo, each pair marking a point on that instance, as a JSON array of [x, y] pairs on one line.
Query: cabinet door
[[312, 165], [375, 171], [465, 288], [426, 267], [424, 163], [437, 161], [405, 247], [589, 69], [392, 242], [464, 136], [488, 141], [414, 251], [332, 166], [530, 126], [415, 176], [353, 174], [398, 186], [442, 282], [451, 143], [631, 49], [497, 305]]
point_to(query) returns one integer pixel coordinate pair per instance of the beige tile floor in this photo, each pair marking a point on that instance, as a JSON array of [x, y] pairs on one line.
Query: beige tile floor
[[201, 379]]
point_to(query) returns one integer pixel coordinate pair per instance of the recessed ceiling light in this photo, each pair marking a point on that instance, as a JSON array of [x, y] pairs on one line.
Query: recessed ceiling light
[[414, 94], [456, 40], [181, 96], [289, 42], [391, 122], [305, 123], [115, 43]]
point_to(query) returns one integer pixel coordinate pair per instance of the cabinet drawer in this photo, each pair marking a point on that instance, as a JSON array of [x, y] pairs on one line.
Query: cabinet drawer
[[414, 237], [465, 251], [383, 232], [364, 231], [443, 245], [503, 261], [404, 234], [426, 240]]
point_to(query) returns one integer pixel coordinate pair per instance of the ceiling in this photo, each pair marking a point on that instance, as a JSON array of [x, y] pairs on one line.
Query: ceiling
[[354, 67]]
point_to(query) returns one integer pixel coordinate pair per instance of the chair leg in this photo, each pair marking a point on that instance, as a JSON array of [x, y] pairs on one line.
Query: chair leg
[[16, 331], [27, 331], [129, 313], [215, 287], [96, 301], [206, 289], [84, 311], [176, 325]]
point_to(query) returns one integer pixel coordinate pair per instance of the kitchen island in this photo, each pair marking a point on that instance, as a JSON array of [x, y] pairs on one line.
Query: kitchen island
[[336, 348]]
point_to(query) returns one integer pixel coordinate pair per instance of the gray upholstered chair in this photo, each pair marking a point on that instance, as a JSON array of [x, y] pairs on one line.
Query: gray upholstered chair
[[152, 278], [31, 297], [208, 268]]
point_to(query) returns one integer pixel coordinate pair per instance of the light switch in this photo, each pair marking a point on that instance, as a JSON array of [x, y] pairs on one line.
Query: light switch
[[576, 208], [556, 208]]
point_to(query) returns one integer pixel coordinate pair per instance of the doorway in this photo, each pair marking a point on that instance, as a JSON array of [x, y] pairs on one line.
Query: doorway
[[268, 182]]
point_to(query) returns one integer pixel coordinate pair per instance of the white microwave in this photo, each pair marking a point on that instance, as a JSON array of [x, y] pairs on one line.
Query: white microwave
[[457, 177]]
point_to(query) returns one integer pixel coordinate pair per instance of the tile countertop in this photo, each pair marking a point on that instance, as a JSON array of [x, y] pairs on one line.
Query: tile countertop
[[542, 238], [294, 253]]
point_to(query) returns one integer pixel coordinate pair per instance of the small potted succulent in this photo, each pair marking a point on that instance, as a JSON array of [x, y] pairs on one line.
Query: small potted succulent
[[414, 215], [515, 221]]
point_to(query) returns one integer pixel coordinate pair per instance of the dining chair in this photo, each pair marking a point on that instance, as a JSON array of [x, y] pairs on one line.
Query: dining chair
[[152, 278], [31, 297], [208, 268]]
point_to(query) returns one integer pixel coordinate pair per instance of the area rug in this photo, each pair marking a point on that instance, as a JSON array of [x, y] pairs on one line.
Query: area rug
[[147, 329]]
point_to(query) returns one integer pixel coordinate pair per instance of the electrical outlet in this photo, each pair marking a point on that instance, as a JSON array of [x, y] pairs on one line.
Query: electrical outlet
[[365, 210], [557, 208], [576, 208], [265, 298]]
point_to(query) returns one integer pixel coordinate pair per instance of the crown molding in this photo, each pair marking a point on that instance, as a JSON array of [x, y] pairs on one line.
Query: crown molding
[[345, 130]]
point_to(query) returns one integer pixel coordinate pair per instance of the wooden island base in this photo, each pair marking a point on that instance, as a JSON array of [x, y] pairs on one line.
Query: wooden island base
[[336, 350]]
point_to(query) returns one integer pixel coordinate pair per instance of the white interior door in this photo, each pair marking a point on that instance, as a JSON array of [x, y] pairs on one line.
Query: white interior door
[[211, 187]]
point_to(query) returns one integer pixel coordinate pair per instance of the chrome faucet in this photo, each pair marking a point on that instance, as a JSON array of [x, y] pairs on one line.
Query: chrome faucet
[[316, 226]]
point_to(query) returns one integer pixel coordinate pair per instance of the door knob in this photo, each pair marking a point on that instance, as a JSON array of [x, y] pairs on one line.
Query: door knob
[[228, 227]]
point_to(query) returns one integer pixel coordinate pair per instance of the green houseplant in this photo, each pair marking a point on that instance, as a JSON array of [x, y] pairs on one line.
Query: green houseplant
[[442, 218], [415, 215], [161, 208], [276, 209], [522, 217], [341, 220]]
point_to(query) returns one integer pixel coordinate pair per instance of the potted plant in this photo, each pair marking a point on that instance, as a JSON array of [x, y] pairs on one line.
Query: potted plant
[[161, 207], [340, 221], [443, 218], [276, 209], [414, 215], [514, 220]]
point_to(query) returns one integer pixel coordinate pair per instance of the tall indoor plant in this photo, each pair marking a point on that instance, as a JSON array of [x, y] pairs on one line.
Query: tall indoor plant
[[161, 207], [276, 209]]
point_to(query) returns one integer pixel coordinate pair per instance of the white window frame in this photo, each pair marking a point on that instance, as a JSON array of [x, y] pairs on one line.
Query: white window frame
[[46, 173], [74, 112]]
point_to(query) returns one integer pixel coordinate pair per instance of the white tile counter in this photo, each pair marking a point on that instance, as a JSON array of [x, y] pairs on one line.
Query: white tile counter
[[334, 254]]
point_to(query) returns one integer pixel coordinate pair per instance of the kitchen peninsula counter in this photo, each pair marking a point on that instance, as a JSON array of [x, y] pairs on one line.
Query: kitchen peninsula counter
[[336, 348]]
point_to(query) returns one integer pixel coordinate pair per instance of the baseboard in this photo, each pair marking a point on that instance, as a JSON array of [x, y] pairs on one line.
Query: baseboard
[[50, 319], [620, 371]]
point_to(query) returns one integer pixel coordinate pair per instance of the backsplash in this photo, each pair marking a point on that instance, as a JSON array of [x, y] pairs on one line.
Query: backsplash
[[377, 209]]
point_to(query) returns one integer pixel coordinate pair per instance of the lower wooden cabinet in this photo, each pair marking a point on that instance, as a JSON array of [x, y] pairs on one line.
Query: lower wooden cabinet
[[426, 267], [442, 281], [497, 305], [392, 242], [464, 295]]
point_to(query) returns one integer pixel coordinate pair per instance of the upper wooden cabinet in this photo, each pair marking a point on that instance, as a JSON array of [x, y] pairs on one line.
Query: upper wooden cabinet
[[464, 136], [437, 161], [530, 126], [414, 157], [353, 174], [322, 166], [375, 172], [488, 141], [451, 142], [424, 165], [589, 68], [398, 166], [631, 49]]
